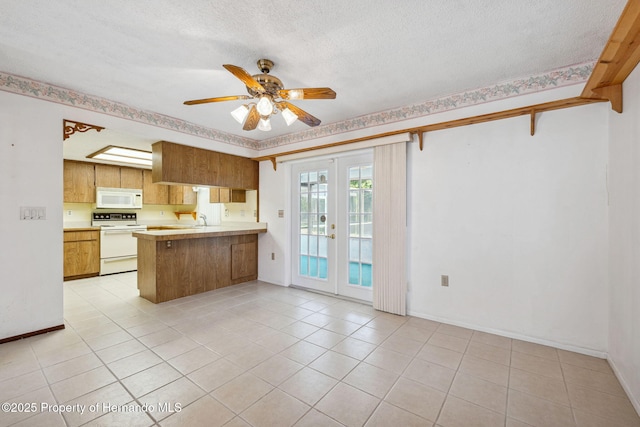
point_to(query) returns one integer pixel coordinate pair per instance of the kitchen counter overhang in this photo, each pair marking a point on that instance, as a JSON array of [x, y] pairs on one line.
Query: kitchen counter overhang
[[197, 232]]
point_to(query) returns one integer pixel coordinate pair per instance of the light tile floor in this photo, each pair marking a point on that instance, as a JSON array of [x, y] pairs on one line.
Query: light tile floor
[[262, 355]]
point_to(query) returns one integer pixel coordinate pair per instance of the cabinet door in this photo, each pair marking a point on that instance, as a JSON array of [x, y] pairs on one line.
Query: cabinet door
[[182, 195], [153, 194], [81, 253], [230, 195], [244, 260], [107, 176], [130, 178], [79, 182], [250, 172], [214, 195]]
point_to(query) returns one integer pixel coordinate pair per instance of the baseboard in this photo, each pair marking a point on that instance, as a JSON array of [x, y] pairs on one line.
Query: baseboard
[[329, 294], [633, 399], [271, 282], [508, 334], [30, 334]]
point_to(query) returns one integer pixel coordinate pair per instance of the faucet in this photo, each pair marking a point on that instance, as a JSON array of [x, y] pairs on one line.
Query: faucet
[[204, 219]]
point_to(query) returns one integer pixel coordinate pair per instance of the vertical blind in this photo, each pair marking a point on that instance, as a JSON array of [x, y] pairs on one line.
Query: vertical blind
[[389, 228]]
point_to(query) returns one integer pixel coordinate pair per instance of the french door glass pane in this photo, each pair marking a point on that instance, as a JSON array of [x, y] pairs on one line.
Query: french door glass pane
[[360, 225], [313, 213]]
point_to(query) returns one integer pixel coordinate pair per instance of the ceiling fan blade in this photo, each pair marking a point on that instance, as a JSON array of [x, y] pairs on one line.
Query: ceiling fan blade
[[252, 119], [303, 116], [308, 93], [218, 99], [245, 77]]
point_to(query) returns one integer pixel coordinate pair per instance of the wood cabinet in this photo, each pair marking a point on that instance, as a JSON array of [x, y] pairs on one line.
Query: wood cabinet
[[176, 268], [81, 254], [153, 194], [244, 260], [181, 164], [182, 195], [238, 172], [227, 195], [118, 177], [131, 178], [79, 182]]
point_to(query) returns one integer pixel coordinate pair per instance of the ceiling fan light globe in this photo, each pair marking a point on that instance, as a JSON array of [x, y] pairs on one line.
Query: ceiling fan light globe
[[240, 113], [264, 124], [289, 116], [264, 106]]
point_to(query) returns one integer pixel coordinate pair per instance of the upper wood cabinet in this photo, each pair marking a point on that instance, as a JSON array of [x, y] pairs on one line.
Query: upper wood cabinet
[[182, 195], [131, 178], [153, 194], [227, 195], [180, 164], [79, 182], [118, 176]]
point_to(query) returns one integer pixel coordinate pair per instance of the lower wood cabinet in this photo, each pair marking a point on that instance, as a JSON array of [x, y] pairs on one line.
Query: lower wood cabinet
[[81, 254], [244, 260], [170, 269]]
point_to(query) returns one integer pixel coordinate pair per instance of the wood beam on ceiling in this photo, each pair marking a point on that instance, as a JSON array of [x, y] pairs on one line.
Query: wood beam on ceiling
[[618, 59]]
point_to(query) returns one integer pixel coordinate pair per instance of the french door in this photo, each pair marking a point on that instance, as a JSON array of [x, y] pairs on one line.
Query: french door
[[332, 239]]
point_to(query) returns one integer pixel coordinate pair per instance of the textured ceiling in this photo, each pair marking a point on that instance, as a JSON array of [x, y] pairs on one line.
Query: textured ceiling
[[376, 54]]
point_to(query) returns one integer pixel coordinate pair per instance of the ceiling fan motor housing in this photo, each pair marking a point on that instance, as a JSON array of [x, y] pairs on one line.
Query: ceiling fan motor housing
[[271, 84]]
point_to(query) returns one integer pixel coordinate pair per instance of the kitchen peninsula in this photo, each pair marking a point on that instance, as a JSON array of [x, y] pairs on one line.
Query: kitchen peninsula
[[178, 262]]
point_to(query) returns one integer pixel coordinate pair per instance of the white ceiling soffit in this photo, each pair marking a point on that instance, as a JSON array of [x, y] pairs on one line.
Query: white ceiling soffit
[[377, 55]]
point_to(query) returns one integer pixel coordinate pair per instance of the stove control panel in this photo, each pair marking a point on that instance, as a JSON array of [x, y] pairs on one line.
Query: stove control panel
[[100, 216]]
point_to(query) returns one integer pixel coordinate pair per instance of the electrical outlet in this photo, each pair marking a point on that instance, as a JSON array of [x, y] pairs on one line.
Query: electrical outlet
[[444, 280], [161, 213], [280, 213], [69, 213]]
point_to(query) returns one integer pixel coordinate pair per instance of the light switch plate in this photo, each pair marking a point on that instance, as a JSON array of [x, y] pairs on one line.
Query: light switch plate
[[33, 212], [444, 280]]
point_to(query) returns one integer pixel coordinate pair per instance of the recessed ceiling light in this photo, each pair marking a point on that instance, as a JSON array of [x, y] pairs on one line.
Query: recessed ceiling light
[[122, 155]]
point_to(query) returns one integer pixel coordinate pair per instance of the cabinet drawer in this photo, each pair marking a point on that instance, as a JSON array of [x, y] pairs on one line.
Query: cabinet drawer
[[80, 236]]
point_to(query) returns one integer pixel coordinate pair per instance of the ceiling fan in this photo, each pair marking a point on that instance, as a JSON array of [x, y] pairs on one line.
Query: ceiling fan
[[271, 97]]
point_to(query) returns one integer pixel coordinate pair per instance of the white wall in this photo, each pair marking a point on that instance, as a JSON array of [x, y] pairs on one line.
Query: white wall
[[272, 199], [519, 223], [31, 175], [624, 240]]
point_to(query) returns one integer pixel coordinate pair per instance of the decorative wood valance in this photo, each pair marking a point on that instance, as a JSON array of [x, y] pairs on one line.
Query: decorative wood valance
[[70, 127]]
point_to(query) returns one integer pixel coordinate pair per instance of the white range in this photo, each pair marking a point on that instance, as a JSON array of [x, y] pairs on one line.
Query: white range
[[118, 248]]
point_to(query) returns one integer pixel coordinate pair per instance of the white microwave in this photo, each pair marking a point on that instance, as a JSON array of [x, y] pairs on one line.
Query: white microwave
[[118, 198]]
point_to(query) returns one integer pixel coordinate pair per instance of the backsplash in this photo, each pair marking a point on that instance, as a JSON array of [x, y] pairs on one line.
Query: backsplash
[[80, 213]]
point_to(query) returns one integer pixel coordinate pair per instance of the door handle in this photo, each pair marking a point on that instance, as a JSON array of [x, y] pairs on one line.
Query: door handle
[[330, 236], [122, 258]]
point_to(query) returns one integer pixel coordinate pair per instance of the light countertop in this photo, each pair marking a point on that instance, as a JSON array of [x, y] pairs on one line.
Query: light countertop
[[178, 232]]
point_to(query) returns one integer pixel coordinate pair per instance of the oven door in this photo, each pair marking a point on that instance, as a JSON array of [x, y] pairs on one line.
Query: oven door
[[118, 250], [118, 243]]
